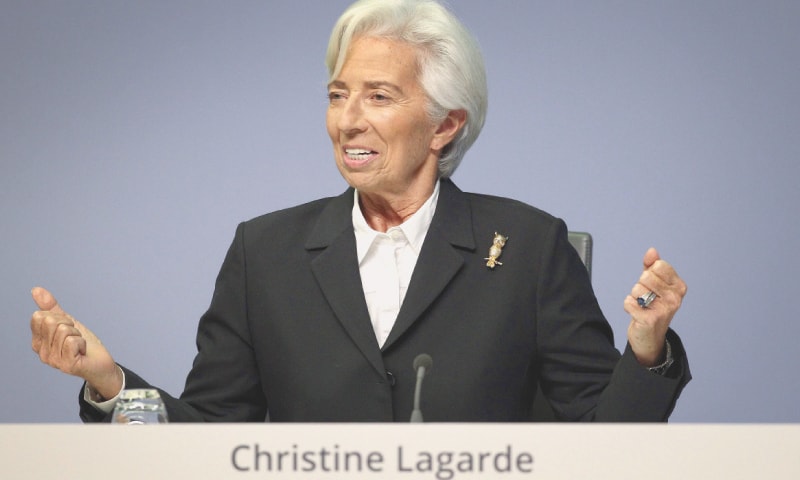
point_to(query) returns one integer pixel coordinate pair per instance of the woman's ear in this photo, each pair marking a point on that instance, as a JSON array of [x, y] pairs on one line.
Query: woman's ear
[[448, 128]]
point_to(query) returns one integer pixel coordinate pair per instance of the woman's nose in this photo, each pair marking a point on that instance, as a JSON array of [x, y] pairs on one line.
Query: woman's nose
[[351, 116]]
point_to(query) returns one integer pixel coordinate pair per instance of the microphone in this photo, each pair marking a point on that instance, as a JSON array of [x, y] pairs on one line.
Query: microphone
[[422, 363]]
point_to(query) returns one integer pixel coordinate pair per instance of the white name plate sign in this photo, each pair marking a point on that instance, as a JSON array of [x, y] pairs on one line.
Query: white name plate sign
[[401, 451]]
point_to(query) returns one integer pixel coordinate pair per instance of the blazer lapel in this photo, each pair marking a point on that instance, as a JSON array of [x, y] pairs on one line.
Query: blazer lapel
[[438, 260], [336, 270]]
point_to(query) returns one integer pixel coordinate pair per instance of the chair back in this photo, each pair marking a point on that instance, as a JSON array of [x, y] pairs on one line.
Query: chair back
[[582, 242]]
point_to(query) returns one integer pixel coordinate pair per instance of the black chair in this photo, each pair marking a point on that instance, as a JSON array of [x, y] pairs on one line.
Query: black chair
[[582, 241]]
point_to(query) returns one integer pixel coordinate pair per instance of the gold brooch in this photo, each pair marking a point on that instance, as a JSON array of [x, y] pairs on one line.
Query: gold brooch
[[498, 242]]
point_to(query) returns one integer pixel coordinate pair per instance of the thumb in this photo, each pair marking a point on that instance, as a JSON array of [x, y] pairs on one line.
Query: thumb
[[45, 300], [650, 257]]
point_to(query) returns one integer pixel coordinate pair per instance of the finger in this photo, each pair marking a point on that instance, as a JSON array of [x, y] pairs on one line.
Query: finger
[[45, 326], [72, 349], [60, 345], [650, 257], [651, 281], [669, 276], [60, 336], [45, 300], [36, 327], [631, 306], [64, 354], [664, 272], [667, 296], [660, 311], [645, 314], [85, 332], [665, 282]]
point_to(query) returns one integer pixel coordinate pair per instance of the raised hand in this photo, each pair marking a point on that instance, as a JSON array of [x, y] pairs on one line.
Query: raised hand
[[64, 343], [648, 328]]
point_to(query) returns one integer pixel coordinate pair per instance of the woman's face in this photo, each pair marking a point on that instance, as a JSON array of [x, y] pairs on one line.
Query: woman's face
[[383, 141]]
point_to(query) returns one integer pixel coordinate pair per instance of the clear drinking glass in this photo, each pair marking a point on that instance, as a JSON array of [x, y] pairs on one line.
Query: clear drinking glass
[[139, 406]]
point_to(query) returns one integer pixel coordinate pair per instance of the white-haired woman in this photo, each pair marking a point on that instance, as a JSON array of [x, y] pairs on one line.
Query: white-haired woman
[[320, 310]]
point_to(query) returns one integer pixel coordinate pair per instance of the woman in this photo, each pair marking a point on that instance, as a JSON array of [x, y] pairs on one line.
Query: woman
[[319, 310]]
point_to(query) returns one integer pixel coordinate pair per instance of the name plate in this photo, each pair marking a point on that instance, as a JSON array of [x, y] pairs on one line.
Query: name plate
[[401, 451]]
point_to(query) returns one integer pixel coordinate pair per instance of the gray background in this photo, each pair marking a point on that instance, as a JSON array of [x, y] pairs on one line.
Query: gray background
[[134, 136]]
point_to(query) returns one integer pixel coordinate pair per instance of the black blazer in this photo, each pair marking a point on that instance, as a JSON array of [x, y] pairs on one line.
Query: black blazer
[[288, 331]]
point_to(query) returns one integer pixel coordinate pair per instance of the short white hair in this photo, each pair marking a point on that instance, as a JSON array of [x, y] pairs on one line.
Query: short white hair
[[452, 72]]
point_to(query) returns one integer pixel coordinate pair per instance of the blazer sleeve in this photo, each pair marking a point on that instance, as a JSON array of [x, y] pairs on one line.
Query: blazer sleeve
[[635, 394], [223, 384], [582, 374]]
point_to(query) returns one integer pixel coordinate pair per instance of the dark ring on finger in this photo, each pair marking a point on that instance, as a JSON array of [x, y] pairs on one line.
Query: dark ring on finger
[[645, 300]]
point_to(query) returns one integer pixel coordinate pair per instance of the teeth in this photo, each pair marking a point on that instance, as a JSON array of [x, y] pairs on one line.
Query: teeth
[[357, 152]]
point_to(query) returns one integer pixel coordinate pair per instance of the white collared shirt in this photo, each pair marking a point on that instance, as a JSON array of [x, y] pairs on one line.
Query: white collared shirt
[[386, 262]]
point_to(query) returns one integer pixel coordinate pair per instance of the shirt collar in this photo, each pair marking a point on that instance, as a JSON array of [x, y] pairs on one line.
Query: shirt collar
[[414, 228]]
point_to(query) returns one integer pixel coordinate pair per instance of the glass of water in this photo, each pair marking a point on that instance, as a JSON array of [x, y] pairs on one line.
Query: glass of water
[[139, 406]]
